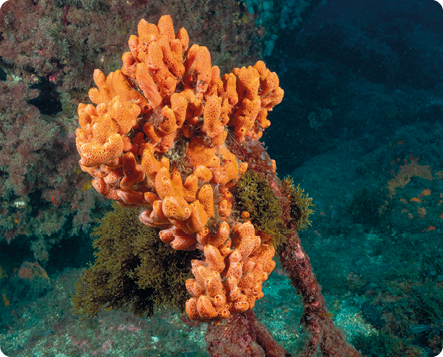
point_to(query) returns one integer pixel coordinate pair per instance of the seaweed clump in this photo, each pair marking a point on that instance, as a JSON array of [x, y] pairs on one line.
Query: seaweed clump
[[134, 269], [299, 204], [272, 210]]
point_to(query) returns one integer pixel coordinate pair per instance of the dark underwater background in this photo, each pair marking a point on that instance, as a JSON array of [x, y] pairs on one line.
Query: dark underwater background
[[360, 129]]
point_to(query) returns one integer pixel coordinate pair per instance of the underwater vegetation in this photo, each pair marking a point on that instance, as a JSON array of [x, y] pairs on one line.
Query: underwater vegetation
[[133, 269]]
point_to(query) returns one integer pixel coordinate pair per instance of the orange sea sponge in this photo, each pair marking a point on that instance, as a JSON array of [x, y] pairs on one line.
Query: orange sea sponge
[[244, 269], [157, 138]]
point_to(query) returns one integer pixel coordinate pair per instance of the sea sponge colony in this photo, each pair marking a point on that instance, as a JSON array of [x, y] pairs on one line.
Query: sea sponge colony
[[161, 136]]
